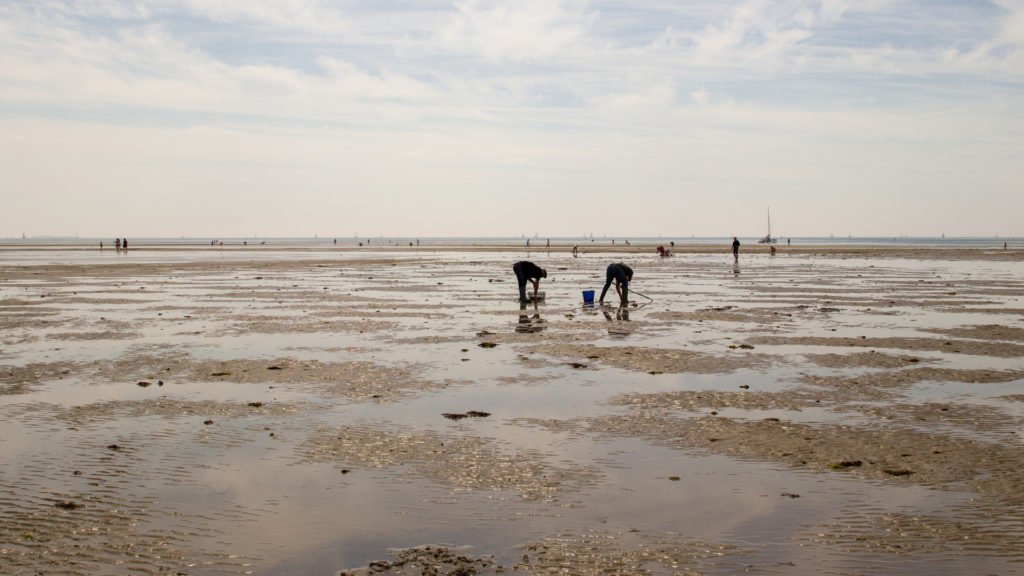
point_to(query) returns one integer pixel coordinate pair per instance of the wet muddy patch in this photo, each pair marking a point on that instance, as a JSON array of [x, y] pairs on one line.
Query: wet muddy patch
[[971, 420], [596, 553], [172, 408], [92, 534], [727, 314], [961, 531], [107, 335], [653, 360], [425, 560], [985, 332], [871, 359], [356, 380], [459, 461], [910, 376], [973, 347], [890, 454], [716, 401], [306, 325]]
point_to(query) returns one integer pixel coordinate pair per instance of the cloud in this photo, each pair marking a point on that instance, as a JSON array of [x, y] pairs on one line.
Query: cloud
[[762, 31], [516, 31], [309, 15]]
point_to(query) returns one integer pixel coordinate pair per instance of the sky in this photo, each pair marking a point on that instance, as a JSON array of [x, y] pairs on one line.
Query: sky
[[241, 118]]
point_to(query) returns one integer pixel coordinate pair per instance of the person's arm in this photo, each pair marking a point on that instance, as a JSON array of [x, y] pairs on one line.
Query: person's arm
[[536, 285]]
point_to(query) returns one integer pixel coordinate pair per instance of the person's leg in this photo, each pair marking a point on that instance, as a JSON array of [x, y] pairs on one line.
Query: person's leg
[[607, 283], [625, 290], [521, 279]]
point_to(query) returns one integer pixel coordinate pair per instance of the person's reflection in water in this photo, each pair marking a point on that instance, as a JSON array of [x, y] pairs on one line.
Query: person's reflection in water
[[528, 325], [615, 327]]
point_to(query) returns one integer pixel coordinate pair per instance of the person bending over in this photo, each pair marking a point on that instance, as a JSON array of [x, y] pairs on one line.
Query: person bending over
[[621, 275], [528, 271]]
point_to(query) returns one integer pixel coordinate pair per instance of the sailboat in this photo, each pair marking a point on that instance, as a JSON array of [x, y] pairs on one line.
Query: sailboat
[[768, 237]]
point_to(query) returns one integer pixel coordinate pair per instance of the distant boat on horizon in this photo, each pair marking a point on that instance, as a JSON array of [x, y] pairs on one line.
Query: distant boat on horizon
[[768, 237]]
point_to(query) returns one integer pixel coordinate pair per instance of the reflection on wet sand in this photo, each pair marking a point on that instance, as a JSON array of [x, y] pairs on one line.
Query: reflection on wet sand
[[621, 314], [529, 324], [813, 415]]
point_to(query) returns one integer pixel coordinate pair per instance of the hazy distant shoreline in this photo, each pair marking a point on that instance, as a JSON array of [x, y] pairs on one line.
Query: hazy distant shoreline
[[88, 253], [616, 244]]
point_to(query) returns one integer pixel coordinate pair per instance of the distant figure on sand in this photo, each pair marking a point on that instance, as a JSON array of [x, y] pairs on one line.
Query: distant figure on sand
[[117, 244], [789, 241], [101, 244], [771, 250], [124, 244], [621, 275], [576, 251], [735, 249], [528, 271], [549, 243]]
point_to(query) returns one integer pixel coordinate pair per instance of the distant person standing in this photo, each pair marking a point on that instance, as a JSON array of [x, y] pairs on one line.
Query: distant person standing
[[789, 241], [621, 275], [576, 251], [735, 249], [101, 245], [124, 244], [528, 271], [117, 244]]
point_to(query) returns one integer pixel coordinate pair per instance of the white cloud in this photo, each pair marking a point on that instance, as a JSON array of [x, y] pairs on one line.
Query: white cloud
[[309, 15], [762, 31], [526, 30]]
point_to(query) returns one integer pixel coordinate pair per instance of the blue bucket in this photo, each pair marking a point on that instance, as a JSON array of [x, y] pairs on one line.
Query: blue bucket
[[588, 296]]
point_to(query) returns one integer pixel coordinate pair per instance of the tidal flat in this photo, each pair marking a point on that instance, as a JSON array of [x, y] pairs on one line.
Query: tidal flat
[[397, 411]]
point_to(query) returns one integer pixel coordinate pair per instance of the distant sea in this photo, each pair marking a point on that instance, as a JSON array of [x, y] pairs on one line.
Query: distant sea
[[323, 242]]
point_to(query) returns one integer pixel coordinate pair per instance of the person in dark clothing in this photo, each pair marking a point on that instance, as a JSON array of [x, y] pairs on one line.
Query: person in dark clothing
[[528, 271], [621, 275], [735, 249]]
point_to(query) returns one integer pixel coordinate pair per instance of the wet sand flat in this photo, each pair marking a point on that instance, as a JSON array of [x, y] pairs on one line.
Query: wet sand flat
[[829, 410]]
